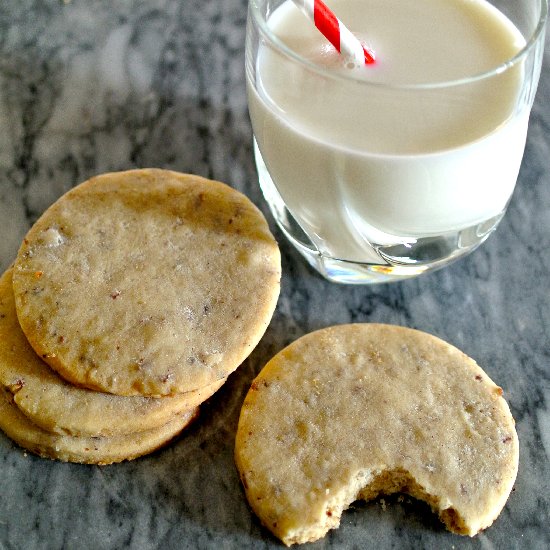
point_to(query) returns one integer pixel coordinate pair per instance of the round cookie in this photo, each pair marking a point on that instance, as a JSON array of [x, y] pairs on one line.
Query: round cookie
[[354, 411], [85, 450], [147, 282], [59, 407]]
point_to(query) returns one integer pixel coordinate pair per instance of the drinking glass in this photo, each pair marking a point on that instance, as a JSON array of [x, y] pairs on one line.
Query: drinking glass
[[377, 181]]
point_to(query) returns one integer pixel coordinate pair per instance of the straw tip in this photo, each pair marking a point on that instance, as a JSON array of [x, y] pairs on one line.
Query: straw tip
[[369, 56]]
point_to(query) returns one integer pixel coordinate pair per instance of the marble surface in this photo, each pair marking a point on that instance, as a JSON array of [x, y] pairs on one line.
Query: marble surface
[[88, 86]]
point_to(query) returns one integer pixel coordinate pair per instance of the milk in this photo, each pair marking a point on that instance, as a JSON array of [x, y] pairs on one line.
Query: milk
[[390, 161]]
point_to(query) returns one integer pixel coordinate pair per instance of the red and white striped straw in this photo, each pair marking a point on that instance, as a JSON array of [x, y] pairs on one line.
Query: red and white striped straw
[[335, 31]]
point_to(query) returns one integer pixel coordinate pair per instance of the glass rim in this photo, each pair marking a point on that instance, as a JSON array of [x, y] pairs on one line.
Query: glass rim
[[267, 33]]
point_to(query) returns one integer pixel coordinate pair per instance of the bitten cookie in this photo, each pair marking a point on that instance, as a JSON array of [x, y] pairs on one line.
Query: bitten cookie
[[86, 450], [354, 411], [147, 282], [56, 406]]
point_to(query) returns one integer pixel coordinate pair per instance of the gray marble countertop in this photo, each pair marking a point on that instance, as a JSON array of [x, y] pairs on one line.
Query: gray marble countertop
[[88, 86]]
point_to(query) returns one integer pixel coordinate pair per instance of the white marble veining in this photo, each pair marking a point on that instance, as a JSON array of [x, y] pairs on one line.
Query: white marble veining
[[88, 86]]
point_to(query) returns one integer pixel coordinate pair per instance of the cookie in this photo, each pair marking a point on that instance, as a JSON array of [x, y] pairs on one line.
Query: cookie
[[85, 450], [354, 411], [147, 282], [59, 407]]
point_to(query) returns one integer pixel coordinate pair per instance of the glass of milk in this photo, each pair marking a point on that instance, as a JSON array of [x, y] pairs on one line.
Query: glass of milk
[[382, 172]]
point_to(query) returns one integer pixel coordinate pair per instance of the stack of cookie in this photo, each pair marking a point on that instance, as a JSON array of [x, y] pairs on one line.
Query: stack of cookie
[[131, 300]]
